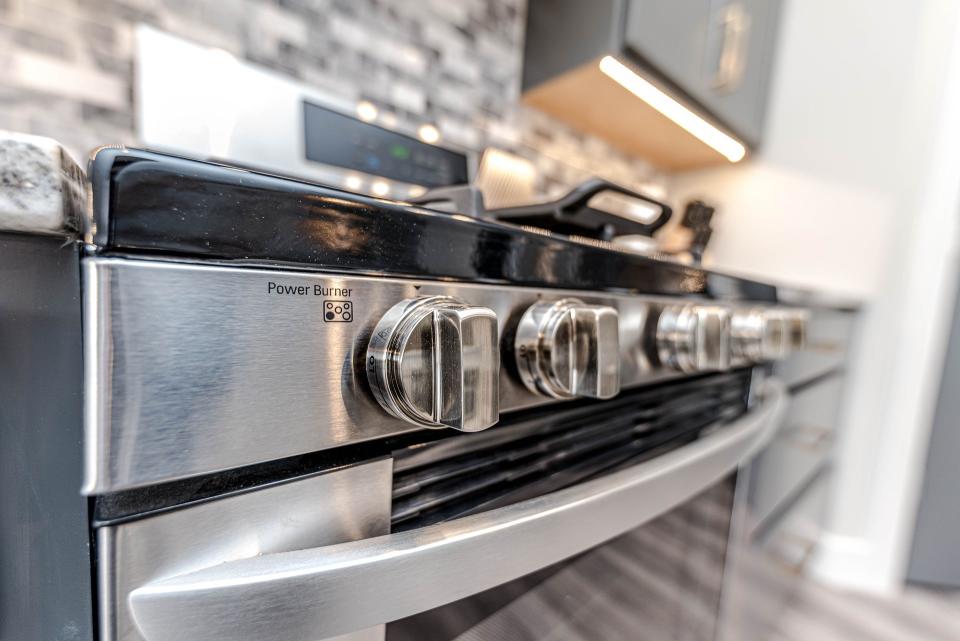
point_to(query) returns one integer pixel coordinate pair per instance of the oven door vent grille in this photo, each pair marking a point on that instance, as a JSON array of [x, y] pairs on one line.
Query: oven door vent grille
[[541, 451]]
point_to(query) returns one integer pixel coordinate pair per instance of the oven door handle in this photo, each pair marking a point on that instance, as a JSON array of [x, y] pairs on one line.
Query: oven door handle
[[327, 591]]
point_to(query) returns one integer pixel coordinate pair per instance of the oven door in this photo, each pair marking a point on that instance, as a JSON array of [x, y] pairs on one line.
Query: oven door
[[302, 561], [660, 581]]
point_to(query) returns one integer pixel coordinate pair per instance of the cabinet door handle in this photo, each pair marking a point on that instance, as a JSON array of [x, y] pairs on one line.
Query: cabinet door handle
[[327, 591], [735, 29]]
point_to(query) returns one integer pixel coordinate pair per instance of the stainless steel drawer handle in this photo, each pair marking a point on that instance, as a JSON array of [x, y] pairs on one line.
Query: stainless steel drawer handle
[[316, 593], [735, 23]]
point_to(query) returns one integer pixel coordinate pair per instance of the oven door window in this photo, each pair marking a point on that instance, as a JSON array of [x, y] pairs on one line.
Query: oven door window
[[660, 582]]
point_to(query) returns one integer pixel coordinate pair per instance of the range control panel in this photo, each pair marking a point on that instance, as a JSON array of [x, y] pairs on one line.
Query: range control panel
[[196, 368], [435, 361]]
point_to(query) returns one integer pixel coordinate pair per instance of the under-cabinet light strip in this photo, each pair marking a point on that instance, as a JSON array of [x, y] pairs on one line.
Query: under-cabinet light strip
[[627, 78]]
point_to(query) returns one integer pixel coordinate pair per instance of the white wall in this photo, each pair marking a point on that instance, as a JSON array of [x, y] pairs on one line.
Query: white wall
[[857, 191]]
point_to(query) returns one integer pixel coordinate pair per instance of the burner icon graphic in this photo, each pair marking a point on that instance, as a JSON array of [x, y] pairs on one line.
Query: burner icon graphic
[[337, 311]]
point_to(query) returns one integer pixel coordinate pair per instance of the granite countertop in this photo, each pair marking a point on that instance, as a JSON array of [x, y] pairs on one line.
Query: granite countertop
[[42, 189]]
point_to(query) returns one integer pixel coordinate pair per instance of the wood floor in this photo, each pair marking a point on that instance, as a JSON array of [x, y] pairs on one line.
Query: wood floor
[[819, 613]]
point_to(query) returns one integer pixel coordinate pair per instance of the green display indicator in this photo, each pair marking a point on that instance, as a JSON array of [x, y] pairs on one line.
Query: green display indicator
[[399, 152]]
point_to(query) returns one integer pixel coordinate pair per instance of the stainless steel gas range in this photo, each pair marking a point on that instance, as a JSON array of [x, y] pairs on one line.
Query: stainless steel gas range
[[310, 414]]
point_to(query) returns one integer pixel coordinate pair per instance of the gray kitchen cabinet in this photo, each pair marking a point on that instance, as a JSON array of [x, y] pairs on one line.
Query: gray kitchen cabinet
[[934, 560], [717, 52], [671, 37], [714, 56]]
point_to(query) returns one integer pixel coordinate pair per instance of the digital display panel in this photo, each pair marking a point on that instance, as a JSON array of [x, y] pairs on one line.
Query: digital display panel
[[335, 139]]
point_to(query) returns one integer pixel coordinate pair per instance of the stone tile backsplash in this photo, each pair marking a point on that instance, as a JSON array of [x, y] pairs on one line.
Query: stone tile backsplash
[[66, 69]]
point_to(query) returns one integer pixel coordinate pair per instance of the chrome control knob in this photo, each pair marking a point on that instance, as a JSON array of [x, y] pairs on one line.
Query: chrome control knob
[[567, 349], [760, 334], [435, 362], [757, 334], [694, 337], [796, 321]]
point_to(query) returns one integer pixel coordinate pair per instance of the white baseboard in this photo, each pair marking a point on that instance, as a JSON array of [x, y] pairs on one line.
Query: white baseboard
[[852, 563]]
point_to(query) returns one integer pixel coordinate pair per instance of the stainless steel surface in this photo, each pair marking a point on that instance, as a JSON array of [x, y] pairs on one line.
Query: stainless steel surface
[[796, 321], [258, 122], [765, 567], [434, 361], [756, 335], [776, 343], [795, 456], [826, 342], [767, 333], [658, 582], [299, 596], [694, 337], [566, 349], [747, 334], [198, 368], [346, 505], [194, 369]]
